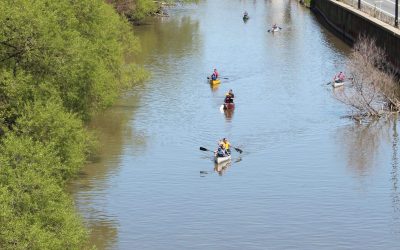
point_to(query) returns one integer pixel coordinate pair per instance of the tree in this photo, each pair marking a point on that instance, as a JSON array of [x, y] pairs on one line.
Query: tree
[[60, 62], [374, 90]]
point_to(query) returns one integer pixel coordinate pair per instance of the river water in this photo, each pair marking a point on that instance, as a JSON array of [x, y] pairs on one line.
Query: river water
[[307, 179]]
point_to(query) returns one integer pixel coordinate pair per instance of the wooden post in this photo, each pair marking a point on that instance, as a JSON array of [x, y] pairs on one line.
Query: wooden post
[[359, 4]]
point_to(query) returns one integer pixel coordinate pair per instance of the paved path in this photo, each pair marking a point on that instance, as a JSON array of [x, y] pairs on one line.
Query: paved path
[[387, 6]]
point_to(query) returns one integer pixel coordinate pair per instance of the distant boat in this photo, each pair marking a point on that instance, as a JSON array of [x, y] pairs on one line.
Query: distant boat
[[275, 29]]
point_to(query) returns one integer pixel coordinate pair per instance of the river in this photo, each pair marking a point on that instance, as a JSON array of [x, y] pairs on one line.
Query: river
[[307, 178]]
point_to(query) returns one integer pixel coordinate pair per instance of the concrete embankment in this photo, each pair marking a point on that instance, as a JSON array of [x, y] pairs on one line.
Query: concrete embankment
[[348, 23]]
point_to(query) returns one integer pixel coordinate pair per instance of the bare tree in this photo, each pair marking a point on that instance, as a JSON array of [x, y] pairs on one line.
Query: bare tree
[[374, 90]]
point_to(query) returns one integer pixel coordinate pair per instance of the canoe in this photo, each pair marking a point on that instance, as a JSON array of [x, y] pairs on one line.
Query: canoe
[[214, 82], [275, 30], [338, 84], [222, 159], [229, 106]]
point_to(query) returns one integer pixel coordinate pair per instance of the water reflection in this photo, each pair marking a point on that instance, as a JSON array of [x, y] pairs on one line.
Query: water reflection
[[103, 234], [360, 144], [221, 168], [395, 174], [90, 190], [115, 131], [177, 36], [228, 113], [214, 88]]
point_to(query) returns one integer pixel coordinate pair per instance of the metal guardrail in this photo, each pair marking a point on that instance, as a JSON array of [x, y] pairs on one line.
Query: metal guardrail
[[372, 10]]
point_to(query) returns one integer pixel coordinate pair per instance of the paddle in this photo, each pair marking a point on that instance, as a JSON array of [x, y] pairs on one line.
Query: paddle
[[226, 78], [204, 149], [238, 150]]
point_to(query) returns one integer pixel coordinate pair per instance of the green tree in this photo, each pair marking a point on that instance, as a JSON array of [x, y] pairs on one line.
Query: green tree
[[77, 47], [60, 62], [35, 212]]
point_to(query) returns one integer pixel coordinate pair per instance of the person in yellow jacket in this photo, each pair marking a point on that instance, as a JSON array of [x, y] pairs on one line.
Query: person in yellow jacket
[[227, 145]]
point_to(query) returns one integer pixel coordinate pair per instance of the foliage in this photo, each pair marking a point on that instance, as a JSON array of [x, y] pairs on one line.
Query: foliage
[[77, 47], [61, 131], [142, 9], [60, 62], [35, 212]]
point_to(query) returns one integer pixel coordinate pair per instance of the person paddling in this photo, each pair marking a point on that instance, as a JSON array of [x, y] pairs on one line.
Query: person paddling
[[221, 152], [340, 77], [227, 145], [229, 97], [215, 75]]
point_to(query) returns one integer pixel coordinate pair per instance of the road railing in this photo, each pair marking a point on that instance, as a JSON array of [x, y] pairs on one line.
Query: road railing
[[374, 10]]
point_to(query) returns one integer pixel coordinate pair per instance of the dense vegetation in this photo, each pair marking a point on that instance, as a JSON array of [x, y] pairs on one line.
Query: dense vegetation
[[137, 10], [60, 62]]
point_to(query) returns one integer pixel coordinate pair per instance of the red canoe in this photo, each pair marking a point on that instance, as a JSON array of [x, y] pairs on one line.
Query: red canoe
[[229, 105]]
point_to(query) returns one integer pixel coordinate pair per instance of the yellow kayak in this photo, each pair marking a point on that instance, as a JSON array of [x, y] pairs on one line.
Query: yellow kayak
[[214, 82]]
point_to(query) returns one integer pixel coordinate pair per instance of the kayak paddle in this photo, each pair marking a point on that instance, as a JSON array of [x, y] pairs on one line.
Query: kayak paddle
[[238, 150], [204, 149]]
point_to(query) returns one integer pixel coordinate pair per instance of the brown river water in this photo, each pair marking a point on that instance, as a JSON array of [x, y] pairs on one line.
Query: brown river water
[[307, 179]]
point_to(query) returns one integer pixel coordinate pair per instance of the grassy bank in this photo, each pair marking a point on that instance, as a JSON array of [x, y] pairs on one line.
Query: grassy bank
[[60, 62]]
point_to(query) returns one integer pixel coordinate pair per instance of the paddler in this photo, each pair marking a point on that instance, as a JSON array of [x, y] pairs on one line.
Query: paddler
[[339, 77], [221, 151], [227, 145], [229, 97], [215, 75]]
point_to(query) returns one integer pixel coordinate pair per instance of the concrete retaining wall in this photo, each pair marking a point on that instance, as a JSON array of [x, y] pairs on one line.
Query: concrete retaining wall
[[348, 23]]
